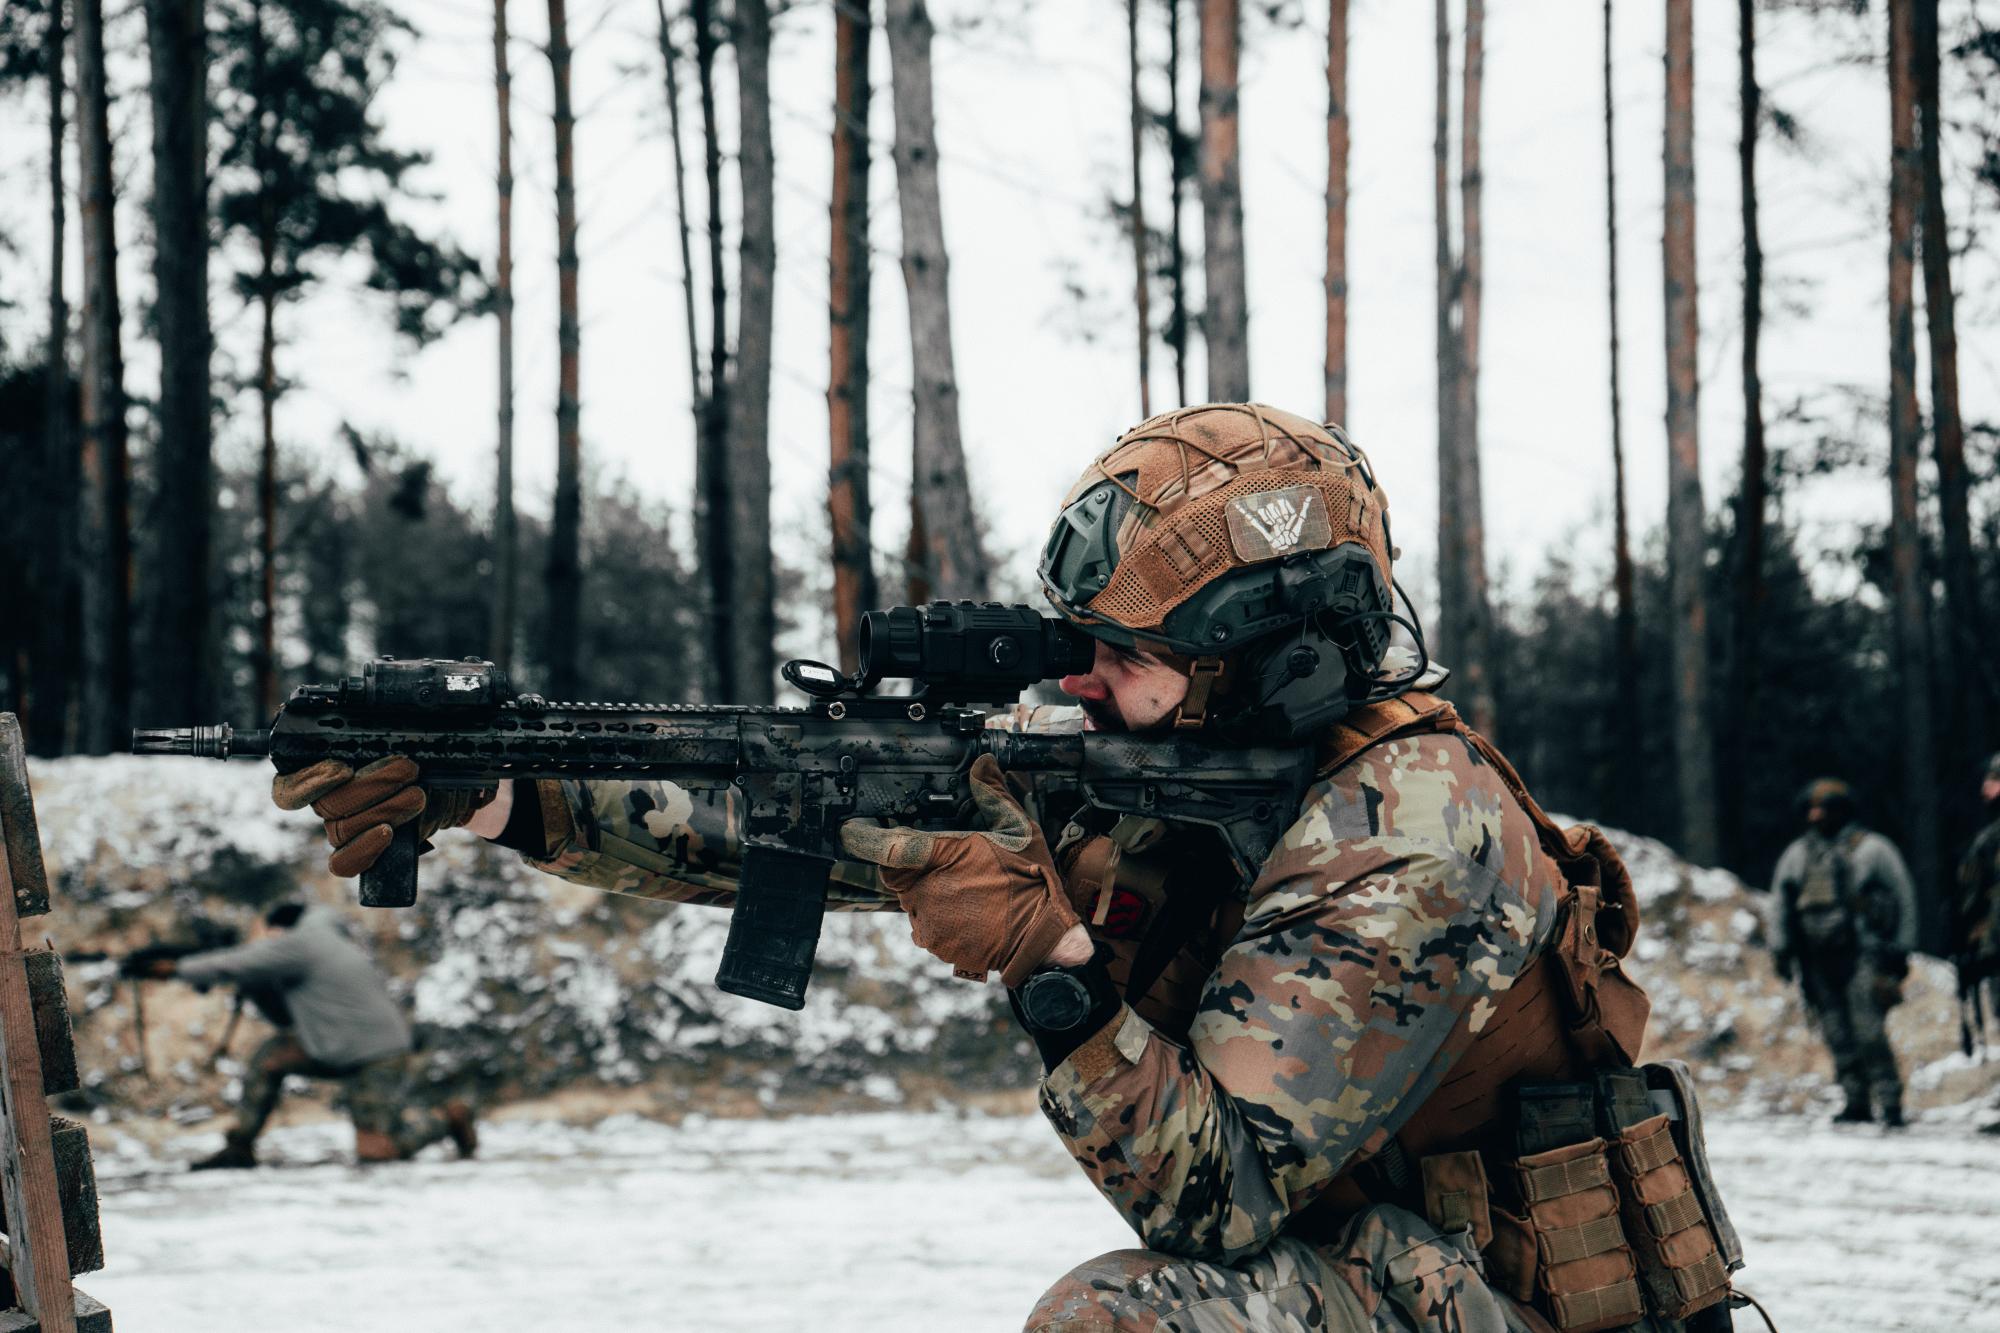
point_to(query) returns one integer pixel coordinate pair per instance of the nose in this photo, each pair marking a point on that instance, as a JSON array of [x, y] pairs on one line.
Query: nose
[[1090, 685]]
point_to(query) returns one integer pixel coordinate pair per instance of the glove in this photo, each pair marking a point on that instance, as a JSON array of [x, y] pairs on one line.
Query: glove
[[362, 810], [1787, 966], [983, 900]]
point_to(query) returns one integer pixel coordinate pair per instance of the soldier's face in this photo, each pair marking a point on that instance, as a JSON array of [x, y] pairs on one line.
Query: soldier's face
[[1989, 790], [1126, 690]]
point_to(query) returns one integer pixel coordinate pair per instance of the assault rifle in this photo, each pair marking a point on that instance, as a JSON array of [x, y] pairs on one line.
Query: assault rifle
[[851, 753]]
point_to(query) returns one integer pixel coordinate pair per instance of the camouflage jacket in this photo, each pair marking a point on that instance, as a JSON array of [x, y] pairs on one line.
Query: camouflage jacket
[[1409, 894], [1975, 933]]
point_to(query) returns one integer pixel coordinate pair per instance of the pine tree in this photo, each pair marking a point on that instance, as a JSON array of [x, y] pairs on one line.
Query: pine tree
[[944, 551], [848, 273], [1909, 590], [563, 574], [304, 174], [1336, 212], [755, 622], [506, 542], [105, 531], [1226, 318], [1693, 735], [179, 631]]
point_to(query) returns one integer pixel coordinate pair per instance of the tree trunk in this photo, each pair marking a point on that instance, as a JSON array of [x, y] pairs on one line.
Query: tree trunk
[[505, 544], [670, 60], [945, 537], [264, 661], [1141, 300], [1226, 316], [1908, 589], [1180, 168], [848, 273], [564, 575], [1971, 675], [1336, 212], [714, 504], [51, 686], [1476, 656], [1454, 598], [106, 527], [1625, 635], [755, 623], [1742, 694], [1693, 740], [179, 633]]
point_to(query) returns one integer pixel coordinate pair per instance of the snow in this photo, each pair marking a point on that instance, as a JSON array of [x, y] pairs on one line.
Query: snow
[[891, 1221]]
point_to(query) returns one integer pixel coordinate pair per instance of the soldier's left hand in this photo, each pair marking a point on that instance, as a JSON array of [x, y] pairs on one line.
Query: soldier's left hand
[[986, 899]]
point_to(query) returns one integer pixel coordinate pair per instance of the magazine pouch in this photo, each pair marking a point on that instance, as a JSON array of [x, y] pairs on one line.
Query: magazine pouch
[[1585, 1273]]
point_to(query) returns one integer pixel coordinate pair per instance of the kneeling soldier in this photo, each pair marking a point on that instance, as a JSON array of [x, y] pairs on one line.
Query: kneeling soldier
[[1387, 1082]]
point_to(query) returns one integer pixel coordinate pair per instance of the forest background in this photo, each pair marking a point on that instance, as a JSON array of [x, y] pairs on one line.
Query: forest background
[[728, 320]]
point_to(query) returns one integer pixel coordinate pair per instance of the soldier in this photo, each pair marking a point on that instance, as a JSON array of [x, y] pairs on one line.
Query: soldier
[[344, 1027], [1298, 1090], [1975, 918], [1845, 922]]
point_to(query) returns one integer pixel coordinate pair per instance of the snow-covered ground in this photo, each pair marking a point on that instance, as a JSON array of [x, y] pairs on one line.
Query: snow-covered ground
[[889, 1221]]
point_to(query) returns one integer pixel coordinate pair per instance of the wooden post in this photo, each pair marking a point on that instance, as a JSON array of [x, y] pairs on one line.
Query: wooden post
[[48, 1192], [38, 1254]]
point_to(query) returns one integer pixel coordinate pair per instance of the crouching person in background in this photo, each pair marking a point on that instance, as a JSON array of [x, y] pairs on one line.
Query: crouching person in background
[[344, 1027]]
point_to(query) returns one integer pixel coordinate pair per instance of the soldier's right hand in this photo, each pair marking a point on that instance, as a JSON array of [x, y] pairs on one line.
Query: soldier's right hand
[[362, 809]]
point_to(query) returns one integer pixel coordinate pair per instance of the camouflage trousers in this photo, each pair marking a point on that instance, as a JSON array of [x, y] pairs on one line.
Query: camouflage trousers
[[1845, 989], [1389, 1270], [376, 1096]]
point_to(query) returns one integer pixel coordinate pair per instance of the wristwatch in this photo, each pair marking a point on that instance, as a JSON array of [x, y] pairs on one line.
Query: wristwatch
[[1061, 1006]]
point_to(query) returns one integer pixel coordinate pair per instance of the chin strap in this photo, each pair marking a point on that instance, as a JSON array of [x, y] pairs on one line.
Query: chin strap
[[1203, 674]]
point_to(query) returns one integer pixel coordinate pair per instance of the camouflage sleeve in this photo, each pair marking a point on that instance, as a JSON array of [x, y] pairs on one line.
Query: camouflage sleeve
[[1364, 968], [659, 840]]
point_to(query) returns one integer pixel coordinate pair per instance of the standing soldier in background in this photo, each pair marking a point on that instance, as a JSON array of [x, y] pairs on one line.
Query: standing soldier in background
[[1975, 914], [344, 1026], [1844, 925]]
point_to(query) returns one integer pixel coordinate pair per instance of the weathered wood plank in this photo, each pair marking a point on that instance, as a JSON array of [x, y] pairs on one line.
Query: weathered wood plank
[[52, 1026], [76, 1184], [17, 823], [39, 1258], [87, 1315]]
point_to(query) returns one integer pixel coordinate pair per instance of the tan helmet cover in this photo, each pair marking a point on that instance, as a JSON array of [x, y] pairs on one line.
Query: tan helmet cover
[[1220, 487]]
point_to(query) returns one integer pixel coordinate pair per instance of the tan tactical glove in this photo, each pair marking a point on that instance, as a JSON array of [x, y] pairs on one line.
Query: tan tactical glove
[[982, 900], [362, 810]]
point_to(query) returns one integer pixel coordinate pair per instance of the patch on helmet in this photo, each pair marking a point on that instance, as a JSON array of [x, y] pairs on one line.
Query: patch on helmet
[[1274, 523]]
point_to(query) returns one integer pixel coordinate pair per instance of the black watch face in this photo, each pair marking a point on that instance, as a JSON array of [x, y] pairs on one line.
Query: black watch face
[[1055, 1001]]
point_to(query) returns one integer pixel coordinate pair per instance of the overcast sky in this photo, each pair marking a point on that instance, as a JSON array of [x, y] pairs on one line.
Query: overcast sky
[[1032, 133]]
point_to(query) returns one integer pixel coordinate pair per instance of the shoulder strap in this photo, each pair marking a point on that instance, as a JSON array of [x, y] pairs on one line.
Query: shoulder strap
[[1369, 726]]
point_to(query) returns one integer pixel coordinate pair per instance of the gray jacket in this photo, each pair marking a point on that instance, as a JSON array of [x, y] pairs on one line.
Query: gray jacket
[[1875, 873], [340, 1007]]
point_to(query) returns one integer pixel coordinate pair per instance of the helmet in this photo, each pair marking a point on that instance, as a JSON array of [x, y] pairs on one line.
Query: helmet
[[1831, 795], [1245, 544]]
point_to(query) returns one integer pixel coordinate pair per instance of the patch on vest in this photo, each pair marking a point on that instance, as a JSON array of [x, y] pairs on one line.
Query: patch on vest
[[1124, 916], [1272, 523]]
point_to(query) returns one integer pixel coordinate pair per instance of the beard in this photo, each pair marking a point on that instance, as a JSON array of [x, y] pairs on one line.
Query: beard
[[1102, 715]]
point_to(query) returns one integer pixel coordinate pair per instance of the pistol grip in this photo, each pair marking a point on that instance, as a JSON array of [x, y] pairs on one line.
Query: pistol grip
[[774, 931], [392, 880]]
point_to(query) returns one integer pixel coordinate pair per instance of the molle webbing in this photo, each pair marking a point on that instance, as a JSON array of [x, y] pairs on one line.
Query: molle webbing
[[1670, 1231]]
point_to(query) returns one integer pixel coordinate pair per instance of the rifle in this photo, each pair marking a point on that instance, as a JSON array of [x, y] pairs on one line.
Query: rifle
[[850, 753], [208, 936]]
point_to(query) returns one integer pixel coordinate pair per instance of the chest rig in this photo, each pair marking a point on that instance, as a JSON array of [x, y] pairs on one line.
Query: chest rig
[[1576, 1179]]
